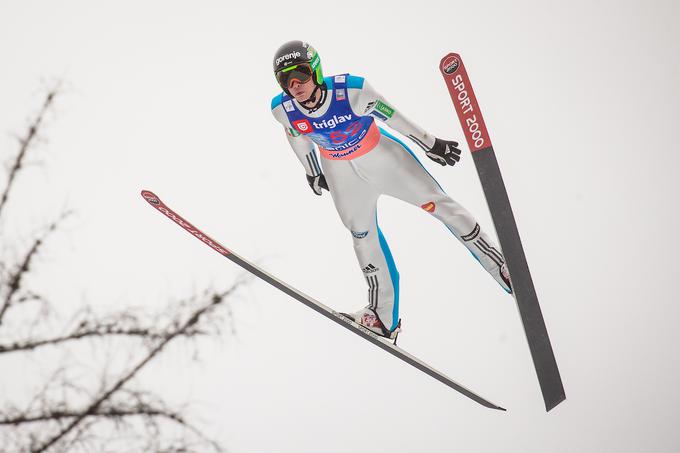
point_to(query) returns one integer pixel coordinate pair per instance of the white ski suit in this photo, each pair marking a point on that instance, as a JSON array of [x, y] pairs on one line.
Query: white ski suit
[[361, 162]]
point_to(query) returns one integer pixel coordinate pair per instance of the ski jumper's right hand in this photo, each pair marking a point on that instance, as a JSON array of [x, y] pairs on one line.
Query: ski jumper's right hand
[[317, 183]]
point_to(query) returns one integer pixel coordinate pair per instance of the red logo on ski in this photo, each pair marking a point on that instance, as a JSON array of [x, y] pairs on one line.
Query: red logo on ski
[[450, 64], [150, 197]]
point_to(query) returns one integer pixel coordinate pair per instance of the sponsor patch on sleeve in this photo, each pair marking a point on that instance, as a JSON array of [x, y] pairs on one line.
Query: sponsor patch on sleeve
[[383, 108], [288, 106]]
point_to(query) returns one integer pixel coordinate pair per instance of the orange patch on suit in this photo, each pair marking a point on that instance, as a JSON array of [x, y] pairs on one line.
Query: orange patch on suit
[[429, 207]]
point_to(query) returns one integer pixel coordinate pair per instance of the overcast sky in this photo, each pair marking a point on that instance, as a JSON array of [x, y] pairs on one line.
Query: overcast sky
[[582, 102]]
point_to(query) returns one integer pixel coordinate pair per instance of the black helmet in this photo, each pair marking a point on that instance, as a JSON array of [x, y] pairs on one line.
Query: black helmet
[[297, 59]]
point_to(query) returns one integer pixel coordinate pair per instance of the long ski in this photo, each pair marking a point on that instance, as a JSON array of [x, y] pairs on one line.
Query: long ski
[[477, 135], [338, 318]]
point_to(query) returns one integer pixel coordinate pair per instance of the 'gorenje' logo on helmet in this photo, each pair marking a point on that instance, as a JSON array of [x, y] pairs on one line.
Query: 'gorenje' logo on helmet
[[288, 56], [332, 122]]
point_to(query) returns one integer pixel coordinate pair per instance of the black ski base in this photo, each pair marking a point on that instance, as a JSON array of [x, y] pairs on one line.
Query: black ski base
[[522, 284]]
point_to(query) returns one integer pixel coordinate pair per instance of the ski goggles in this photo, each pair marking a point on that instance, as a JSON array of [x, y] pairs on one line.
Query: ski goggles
[[300, 73]]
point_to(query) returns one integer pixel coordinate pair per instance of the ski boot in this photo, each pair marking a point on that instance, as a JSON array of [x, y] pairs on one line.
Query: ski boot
[[368, 318], [505, 275]]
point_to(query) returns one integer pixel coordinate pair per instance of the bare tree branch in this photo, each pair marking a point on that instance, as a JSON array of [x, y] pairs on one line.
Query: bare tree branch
[[15, 278], [95, 405], [100, 412], [66, 412], [118, 415], [30, 297], [25, 144], [97, 331]]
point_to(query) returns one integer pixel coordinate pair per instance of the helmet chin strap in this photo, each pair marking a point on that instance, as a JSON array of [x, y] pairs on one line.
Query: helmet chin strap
[[317, 99]]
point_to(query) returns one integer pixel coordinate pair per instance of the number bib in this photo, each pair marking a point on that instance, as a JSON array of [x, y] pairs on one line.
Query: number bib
[[339, 133]]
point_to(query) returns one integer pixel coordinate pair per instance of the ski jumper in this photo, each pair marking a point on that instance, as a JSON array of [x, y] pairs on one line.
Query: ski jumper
[[361, 162]]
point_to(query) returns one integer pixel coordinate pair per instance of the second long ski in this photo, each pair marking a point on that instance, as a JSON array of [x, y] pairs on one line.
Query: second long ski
[[337, 317], [484, 156]]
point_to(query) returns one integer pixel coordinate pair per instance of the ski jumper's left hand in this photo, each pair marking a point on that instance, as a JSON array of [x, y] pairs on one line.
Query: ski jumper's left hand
[[444, 152]]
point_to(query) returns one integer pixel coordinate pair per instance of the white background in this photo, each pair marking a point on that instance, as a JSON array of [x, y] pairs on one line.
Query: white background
[[582, 103]]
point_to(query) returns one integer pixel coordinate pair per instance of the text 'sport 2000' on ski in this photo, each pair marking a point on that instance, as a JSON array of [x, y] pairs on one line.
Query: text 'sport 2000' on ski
[[315, 305], [477, 136]]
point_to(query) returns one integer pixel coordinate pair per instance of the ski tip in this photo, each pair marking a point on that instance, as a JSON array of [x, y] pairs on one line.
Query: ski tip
[[151, 197], [450, 63]]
